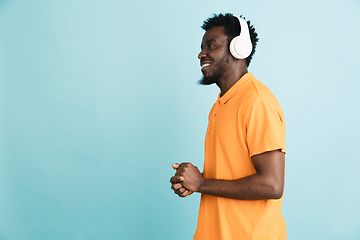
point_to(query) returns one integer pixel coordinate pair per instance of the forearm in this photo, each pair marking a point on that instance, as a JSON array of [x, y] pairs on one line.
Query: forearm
[[254, 187], [266, 183]]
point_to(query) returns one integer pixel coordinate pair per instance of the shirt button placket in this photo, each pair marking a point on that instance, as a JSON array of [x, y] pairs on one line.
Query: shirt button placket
[[214, 115]]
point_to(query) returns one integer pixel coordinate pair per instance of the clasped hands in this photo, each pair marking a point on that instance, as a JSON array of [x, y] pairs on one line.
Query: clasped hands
[[186, 180]]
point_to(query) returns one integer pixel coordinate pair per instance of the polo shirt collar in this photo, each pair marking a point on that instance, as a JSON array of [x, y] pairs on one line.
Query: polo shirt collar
[[234, 88]]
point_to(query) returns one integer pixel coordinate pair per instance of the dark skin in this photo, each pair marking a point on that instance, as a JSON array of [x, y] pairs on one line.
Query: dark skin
[[268, 181], [214, 47]]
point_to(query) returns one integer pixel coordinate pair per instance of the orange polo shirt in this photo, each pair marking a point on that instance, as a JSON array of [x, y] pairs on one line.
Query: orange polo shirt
[[247, 120]]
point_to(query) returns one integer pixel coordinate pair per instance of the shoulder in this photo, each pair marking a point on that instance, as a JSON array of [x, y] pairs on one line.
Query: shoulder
[[259, 89], [254, 90], [258, 96]]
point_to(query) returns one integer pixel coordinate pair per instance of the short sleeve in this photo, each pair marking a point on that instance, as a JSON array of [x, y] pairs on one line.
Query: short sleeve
[[265, 127]]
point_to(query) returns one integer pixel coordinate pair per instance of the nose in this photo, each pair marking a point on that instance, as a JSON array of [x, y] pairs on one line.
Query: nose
[[202, 54]]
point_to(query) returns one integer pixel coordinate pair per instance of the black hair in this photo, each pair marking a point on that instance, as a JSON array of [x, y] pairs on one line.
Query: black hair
[[232, 29]]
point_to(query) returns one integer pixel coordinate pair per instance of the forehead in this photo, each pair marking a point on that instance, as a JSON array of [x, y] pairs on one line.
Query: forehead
[[215, 33]]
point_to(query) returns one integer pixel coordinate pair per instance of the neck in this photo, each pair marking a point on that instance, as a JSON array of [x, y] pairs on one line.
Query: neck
[[228, 80]]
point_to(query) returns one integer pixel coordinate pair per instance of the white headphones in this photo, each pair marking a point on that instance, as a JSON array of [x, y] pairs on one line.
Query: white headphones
[[241, 46]]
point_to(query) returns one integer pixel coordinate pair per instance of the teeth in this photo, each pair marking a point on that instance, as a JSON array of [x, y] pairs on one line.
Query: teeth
[[205, 65]]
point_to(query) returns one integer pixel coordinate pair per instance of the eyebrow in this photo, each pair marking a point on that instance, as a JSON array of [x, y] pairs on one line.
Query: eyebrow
[[208, 41]]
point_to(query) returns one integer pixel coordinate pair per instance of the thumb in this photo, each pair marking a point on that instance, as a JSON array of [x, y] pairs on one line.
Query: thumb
[[175, 166]]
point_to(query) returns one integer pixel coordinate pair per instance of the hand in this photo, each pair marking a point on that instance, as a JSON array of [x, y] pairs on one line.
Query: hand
[[177, 186], [189, 176]]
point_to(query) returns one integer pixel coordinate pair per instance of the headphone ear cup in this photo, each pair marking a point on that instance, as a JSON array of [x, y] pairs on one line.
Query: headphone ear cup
[[241, 46], [234, 45]]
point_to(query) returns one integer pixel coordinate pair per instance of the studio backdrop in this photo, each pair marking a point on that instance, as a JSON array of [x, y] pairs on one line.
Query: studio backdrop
[[99, 98]]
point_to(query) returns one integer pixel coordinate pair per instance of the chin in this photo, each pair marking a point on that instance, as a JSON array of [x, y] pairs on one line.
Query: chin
[[208, 80]]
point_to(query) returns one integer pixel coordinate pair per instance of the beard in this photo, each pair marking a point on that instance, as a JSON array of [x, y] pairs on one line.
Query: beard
[[219, 69]]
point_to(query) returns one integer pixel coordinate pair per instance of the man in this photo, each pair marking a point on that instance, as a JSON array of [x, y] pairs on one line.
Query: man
[[243, 179]]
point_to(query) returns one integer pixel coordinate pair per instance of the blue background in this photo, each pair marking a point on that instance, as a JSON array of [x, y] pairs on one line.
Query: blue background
[[99, 98]]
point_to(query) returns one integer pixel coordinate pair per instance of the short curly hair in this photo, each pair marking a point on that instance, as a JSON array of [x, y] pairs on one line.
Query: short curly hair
[[232, 29]]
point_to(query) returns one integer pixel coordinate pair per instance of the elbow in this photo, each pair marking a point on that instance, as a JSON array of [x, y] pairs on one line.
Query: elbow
[[275, 191]]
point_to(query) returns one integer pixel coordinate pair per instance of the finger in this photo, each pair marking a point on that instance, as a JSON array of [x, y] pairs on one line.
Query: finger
[[179, 172], [185, 164], [175, 166], [184, 194], [189, 193], [176, 186], [173, 179], [180, 190], [176, 179]]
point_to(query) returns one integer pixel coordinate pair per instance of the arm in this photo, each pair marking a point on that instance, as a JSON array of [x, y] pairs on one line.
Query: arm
[[267, 183]]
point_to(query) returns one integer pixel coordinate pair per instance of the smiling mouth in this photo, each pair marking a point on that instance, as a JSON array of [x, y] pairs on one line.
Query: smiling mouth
[[204, 65]]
